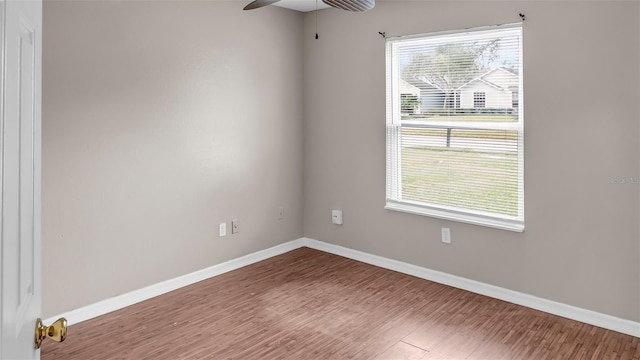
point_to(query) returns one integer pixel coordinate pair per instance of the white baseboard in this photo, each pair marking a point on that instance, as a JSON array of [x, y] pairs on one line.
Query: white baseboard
[[552, 307], [571, 312], [136, 296]]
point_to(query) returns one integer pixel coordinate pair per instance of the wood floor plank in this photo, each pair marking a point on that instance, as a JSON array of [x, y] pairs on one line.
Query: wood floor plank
[[307, 304], [402, 351]]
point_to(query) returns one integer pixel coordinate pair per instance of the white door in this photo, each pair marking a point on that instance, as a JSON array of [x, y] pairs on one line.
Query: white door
[[20, 289]]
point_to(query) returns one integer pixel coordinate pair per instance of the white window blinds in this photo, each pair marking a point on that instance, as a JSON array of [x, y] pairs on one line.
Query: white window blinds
[[455, 126]]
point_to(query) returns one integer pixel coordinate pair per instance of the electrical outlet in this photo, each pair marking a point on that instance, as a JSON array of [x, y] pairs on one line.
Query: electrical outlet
[[446, 235], [280, 213], [235, 226], [336, 217], [222, 229]]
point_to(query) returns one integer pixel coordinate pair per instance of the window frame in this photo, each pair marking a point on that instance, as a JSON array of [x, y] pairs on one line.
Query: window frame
[[394, 144]]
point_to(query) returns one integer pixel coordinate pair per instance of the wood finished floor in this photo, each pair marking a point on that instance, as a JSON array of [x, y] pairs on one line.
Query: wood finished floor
[[307, 304]]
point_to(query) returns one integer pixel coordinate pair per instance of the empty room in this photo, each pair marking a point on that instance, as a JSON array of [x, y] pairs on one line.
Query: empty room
[[331, 179]]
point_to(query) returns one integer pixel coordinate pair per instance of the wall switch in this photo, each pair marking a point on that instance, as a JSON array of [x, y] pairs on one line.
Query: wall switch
[[446, 235], [280, 213], [222, 229], [336, 217], [234, 226]]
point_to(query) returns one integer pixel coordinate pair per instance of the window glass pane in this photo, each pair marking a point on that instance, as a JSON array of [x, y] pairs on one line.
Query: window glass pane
[[457, 74], [473, 169]]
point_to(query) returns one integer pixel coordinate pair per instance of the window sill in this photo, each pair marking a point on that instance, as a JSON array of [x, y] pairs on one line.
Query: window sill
[[469, 218]]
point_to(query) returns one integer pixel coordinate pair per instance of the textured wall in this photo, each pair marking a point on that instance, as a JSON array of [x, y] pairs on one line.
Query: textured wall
[[581, 89], [160, 120]]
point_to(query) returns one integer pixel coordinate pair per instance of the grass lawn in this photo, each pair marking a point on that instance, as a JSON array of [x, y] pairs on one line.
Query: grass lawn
[[445, 176]]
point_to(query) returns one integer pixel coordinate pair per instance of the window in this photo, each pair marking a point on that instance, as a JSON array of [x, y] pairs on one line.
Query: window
[[458, 154], [478, 100]]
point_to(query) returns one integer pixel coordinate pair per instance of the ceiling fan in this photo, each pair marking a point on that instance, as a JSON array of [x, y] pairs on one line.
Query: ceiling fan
[[351, 5]]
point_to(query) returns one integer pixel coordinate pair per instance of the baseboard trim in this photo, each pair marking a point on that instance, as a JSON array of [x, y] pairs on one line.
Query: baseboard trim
[[552, 307], [571, 312], [136, 296]]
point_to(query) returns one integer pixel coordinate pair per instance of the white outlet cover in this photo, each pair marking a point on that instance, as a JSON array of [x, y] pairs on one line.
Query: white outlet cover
[[336, 217], [235, 226], [446, 235]]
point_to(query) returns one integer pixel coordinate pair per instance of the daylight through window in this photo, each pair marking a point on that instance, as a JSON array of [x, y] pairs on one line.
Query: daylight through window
[[455, 126]]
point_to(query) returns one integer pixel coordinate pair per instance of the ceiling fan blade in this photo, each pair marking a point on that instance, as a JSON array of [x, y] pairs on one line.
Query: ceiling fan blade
[[351, 5], [258, 4]]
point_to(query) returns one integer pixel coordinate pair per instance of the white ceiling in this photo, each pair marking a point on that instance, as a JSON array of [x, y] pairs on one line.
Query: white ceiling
[[301, 5]]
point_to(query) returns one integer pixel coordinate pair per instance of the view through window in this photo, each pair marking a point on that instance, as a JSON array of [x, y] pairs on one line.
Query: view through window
[[455, 126]]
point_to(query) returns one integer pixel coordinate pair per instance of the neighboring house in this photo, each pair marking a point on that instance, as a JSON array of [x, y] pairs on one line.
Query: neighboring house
[[408, 89], [431, 95], [496, 89]]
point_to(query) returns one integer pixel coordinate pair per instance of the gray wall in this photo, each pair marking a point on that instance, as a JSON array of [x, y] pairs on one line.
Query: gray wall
[[160, 120], [581, 91]]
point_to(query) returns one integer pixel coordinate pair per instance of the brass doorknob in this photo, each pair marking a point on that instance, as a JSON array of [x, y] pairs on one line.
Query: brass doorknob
[[56, 332]]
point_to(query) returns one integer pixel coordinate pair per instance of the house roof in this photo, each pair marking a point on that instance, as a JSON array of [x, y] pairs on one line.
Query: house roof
[[483, 79], [422, 82], [406, 88]]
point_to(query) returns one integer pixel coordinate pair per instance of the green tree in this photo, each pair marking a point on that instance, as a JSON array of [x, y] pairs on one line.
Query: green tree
[[450, 65], [408, 103]]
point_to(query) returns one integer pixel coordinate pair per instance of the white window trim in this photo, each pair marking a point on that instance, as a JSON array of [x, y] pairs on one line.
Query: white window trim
[[394, 126], [451, 214]]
